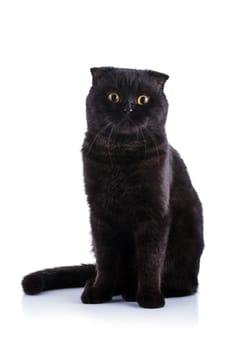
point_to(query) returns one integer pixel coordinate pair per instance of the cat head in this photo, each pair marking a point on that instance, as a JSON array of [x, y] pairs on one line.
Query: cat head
[[124, 101]]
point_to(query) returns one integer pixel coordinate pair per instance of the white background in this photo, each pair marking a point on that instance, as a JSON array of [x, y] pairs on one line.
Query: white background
[[46, 50]]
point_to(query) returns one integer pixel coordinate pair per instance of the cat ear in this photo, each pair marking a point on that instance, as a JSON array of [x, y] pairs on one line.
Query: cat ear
[[99, 73], [160, 78]]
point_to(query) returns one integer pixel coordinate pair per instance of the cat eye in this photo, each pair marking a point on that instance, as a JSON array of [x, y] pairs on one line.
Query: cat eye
[[114, 97], [143, 100]]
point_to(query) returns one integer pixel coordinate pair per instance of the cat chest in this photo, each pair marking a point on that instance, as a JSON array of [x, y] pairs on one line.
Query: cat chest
[[120, 189]]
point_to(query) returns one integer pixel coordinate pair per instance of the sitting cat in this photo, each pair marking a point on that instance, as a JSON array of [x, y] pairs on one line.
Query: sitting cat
[[146, 217]]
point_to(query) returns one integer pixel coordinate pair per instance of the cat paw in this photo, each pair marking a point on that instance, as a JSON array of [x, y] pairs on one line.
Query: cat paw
[[93, 295], [150, 301]]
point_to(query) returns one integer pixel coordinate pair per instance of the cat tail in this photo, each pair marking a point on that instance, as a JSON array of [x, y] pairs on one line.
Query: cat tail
[[58, 278]]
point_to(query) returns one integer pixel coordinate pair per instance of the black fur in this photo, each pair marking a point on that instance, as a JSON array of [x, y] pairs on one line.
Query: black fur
[[146, 217]]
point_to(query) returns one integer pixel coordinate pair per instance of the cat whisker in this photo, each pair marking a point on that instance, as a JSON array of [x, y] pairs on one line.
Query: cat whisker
[[96, 136], [109, 145], [144, 141], [154, 143]]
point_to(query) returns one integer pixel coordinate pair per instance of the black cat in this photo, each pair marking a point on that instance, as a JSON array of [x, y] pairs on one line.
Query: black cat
[[146, 217]]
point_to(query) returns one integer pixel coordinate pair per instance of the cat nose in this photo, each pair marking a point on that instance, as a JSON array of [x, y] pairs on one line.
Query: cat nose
[[128, 108]]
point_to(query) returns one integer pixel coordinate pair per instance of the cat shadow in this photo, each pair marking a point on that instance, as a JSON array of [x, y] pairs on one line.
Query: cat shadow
[[67, 302]]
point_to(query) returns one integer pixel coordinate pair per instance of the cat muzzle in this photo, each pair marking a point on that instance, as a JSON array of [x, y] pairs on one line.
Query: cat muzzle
[[128, 108]]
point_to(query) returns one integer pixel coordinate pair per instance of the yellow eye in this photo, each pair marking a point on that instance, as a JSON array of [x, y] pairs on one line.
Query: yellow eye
[[143, 100], [114, 97]]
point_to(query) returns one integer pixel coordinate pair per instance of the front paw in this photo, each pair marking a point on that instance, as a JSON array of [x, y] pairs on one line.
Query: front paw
[[94, 295], [150, 300]]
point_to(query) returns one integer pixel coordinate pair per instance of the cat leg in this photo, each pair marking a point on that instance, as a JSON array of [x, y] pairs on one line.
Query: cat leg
[[180, 281], [128, 283], [101, 288], [151, 238], [127, 276], [185, 246]]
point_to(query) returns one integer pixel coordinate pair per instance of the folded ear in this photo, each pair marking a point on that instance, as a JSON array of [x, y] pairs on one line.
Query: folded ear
[[99, 73], [160, 78]]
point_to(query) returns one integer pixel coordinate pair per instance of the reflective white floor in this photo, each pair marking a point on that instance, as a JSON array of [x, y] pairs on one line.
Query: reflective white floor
[[182, 311], [58, 320]]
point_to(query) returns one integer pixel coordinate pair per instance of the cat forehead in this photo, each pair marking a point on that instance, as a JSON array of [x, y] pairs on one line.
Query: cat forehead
[[133, 78], [125, 79]]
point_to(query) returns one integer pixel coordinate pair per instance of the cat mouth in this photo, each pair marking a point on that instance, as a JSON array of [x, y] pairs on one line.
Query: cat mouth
[[127, 126]]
